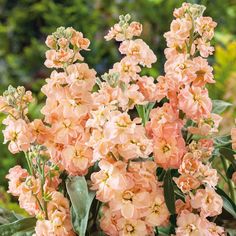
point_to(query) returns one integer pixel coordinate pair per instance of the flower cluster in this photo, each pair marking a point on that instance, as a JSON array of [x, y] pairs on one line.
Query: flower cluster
[[91, 128], [55, 143]]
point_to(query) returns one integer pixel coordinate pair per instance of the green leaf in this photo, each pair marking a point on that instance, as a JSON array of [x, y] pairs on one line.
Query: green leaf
[[230, 171], [81, 200], [219, 106], [228, 204], [223, 141], [229, 155], [18, 228], [7, 216], [169, 193]]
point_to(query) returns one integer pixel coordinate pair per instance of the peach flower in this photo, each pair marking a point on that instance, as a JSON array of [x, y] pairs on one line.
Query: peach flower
[[139, 51], [19, 134], [16, 177], [208, 201]]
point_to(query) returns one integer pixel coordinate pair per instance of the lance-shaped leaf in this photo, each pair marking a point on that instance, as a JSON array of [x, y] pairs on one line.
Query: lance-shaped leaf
[[169, 193], [228, 204], [20, 227], [81, 200]]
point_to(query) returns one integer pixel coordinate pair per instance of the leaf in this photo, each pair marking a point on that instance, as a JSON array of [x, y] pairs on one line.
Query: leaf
[[223, 141], [81, 200], [169, 193], [229, 155], [228, 204], [219, 106], [18, 228], [230, 171], [7, 216]]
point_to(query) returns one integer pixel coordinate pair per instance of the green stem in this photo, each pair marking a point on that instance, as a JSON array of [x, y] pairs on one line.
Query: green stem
[[29, 164], [230, 185]]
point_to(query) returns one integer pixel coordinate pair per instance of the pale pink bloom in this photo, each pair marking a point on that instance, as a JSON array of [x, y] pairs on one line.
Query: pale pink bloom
[[189, 224], [58, 58], [53, 228], [54, 88], [120, 33], [181, 11], [130, 202], [212, 229], [189, 164], [119, 128], [16, 177], [109, 220], [39, 130], [208, 175], [205, 27], [127, 69], [51, 42], [76, 107], [79, 41], [163, 119], [58, 201], [77, 159], [80, 77], [181, 68], [65, 130], [61, 224], [162, 88], [206, 126], [168, 153], [195, 102], [131, 227], [207, 201], [32, 185], [202, 71], [135, 28], [233, 137], [115, 32], [183, 206], [102, 147], [179, 31], [204, 47], [147, 87], [138, 145], [158, 213], [44, 228], [111, 177], [139, 51], [206, 146], [63, 42], [144, 175], [28, 202], [19, 134], [187, 183]]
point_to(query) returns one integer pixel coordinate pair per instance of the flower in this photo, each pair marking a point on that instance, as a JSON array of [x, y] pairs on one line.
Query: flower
[[139, 51], [16, 177], [77, 159], [194, 102], [208, 201], [189, 224], [19, 134]]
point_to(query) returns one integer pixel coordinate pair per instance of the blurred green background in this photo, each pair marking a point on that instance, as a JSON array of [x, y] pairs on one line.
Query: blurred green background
[[24, 25]]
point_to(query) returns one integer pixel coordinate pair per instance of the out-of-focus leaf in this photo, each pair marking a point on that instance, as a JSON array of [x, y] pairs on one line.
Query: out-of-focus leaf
[[18, 228], [219, 106]]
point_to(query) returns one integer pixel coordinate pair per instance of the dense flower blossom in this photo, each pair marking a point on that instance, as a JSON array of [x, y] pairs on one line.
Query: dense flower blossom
[[94, 131]]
